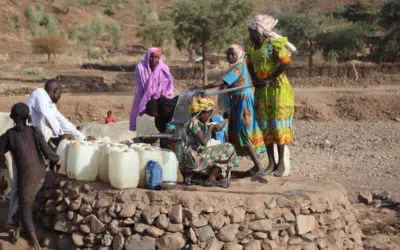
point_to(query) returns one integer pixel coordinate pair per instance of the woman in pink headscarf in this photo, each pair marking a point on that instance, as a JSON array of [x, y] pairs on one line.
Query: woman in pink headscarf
[[152, 80]]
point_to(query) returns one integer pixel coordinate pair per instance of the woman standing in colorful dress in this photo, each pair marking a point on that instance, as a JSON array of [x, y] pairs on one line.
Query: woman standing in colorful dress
[[215, 162], [268, 55], [152, 80], [243, 130]]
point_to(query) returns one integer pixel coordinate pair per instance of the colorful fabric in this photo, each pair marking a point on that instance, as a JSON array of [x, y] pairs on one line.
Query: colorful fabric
[[150, 84], [200, 104], [219, 135], [243, 130], [274, 105], [200, 158]]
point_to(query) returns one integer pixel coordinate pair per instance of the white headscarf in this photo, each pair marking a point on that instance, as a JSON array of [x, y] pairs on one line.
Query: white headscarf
[[239, 51], [264, 24]]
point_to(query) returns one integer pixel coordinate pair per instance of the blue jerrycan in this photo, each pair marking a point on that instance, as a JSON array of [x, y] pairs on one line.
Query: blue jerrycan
[[153, 175]]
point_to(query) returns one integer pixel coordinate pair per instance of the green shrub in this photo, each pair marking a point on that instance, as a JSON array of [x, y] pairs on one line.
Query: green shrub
[[115, 33], [97, 25], [13, 23], [85, 36], [33, 71], [39, 22], [51, 25], [82, 2], [156, 33], [109, 12], [73, 31], [109, 4]]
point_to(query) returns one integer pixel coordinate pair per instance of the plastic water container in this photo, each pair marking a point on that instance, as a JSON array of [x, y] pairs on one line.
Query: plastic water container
[[145, 125], [286, 159], [83, 161], [124, 168], [169, 167], [104, 153], [154, 175], [62, 151], [147, 154]]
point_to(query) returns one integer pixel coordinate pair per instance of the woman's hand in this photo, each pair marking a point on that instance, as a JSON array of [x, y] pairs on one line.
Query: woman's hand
[[211, 127], [263, 82]]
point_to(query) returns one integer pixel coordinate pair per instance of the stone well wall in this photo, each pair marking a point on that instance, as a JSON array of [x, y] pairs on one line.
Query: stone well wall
[[286, 213]]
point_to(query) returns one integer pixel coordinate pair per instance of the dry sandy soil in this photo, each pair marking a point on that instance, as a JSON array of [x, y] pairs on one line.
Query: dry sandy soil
[[349, 135]]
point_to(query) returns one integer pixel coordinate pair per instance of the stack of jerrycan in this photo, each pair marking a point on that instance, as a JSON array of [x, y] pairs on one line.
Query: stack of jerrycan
[[115, 163]]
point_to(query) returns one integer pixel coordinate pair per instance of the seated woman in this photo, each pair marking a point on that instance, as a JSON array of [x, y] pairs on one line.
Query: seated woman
[[214, 162], [163, 109], [153, 79]]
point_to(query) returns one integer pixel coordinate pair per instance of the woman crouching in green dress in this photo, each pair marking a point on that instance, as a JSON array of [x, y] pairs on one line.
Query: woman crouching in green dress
[[214, 162]]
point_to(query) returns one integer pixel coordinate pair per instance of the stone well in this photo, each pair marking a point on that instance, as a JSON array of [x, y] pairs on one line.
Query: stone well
[[286, 213]]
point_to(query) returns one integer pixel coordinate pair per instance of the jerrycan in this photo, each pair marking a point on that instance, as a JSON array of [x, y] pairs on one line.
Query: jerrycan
[[62, 152], [83, 161], [147, 154], [105, 151], [169, 167], [153, 175], [124, 168]]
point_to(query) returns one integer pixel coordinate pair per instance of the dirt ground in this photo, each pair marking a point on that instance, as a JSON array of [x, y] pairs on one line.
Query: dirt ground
[[349, 135]]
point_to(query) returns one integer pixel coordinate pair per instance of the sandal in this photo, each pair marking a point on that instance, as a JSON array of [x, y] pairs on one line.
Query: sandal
[[260, 177], [279, 173], [13, 235], [221, 184], [252, 171]]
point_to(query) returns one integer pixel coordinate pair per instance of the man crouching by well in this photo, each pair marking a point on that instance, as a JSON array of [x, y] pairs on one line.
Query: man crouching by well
[[46, 117]]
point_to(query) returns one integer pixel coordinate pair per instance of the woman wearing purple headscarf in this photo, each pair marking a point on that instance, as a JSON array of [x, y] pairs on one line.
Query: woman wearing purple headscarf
[[152, 80]]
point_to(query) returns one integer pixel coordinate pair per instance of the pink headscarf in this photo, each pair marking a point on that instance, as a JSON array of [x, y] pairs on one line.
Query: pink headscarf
[[150, 85]]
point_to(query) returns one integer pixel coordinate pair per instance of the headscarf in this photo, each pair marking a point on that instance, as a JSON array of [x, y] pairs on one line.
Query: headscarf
[[200, 104], [150, 84], [264, 24], [239, 51]]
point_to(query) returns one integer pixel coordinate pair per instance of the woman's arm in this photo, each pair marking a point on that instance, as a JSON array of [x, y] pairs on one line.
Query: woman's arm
[[209, 86], [203, 138], [281, 69]]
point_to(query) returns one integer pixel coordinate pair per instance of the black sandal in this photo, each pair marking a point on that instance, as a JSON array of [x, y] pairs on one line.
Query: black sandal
[[13, 235], [221, 184], [252, 171]]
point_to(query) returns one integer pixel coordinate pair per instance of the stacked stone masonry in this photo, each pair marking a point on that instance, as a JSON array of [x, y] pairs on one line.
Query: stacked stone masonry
[[94, 216]]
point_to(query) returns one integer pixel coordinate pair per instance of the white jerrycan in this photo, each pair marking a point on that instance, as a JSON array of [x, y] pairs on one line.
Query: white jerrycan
[[83, 161], [124, 168], [146, 154], [145, 125], [286, 159], [169, 166], [104, 154], [62, 151]]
